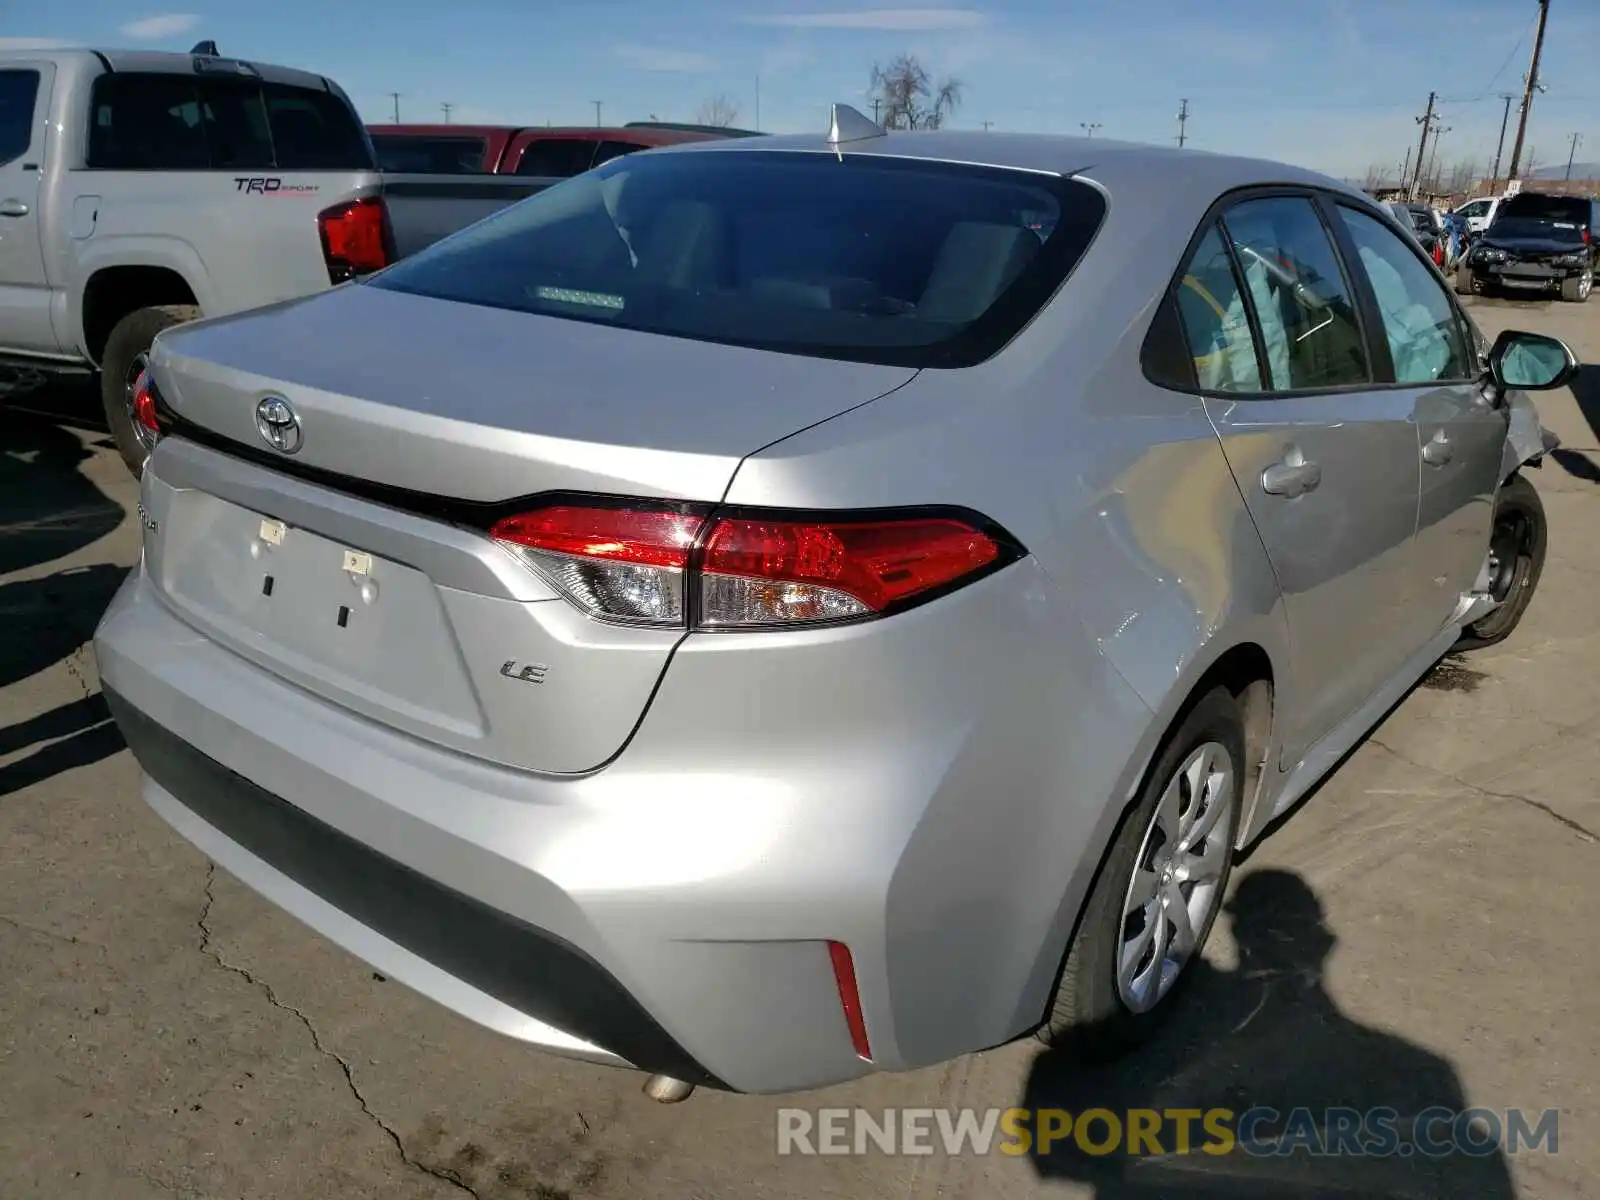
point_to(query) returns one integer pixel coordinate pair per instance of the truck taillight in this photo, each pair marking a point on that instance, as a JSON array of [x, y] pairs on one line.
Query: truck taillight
[[355, 238], [682, 566]]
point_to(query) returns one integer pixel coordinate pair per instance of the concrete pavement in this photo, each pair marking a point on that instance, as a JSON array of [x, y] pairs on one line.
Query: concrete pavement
[[164, 1032]]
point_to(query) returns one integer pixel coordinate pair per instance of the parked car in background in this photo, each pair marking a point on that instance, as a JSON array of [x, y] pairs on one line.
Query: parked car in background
[[1423, 222], [771, 613], [139, 190], [1538, 242], [1478, 213], [428, 168]]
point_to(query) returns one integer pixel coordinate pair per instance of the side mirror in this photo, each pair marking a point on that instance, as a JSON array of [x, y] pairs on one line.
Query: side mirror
[[1528, 362]]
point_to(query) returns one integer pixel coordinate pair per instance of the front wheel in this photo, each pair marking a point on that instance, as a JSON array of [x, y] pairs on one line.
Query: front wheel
[[1467, 283], [1158, 891], [1516, 560], [1576, 290], [126, 353]]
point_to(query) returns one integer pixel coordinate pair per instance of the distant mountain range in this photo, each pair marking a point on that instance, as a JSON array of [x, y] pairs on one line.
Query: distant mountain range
[[1580, 170]]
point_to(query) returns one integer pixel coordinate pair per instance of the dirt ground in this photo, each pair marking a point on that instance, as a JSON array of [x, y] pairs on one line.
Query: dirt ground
[[164, 1032]]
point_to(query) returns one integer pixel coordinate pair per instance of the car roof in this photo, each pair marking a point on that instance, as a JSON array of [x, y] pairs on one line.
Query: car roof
[[1101, 159], [616, 133], [167, 63]]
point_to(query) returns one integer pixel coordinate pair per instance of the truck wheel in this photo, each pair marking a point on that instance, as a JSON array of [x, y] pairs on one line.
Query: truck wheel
[[1517, 546], [127, 350], [1576, 290], [1158, 892]]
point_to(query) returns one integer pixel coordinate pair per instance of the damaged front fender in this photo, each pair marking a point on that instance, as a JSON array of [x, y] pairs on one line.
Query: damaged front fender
[[1527, 441]]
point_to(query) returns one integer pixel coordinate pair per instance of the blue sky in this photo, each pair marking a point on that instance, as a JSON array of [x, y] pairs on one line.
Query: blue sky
[[1331, 84]]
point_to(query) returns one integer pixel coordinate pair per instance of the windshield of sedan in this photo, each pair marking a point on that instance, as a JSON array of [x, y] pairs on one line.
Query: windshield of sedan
[[867, 258]]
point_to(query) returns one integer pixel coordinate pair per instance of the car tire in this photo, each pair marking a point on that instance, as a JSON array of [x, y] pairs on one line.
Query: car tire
[[1466, 283], [1576, 290], [1090, 1017], [1517, 545], [124, 356]]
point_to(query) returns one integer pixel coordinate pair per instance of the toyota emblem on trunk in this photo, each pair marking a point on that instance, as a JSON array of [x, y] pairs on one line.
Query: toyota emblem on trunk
[[277, 424]]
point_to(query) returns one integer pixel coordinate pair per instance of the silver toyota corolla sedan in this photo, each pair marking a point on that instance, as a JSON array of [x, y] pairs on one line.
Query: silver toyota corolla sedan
[[784, 608]]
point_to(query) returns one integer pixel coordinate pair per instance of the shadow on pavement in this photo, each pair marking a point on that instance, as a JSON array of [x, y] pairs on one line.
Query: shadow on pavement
[[1267, 1043], [1586, 391], [48, 510]]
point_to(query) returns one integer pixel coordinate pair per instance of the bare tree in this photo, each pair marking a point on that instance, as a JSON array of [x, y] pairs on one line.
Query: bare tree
[[1530, 164], [908, 98], [1373, 179], [718, 110], [1462, 175]]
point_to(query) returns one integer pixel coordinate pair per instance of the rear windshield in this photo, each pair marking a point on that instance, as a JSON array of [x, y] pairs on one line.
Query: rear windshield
[[420, 153], [865, 258], [1548, 216], [151, 122]]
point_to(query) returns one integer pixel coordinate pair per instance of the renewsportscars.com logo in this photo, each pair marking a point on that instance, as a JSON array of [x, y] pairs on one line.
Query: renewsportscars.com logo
[[1140, 1132]]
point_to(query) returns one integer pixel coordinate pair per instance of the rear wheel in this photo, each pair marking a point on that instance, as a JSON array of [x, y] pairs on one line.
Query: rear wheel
[[1516, 560], [1576, 290], [126, 353], [1158, 891]]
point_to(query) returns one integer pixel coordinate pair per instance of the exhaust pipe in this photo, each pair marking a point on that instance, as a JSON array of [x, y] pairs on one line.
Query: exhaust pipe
[[667, 1090]]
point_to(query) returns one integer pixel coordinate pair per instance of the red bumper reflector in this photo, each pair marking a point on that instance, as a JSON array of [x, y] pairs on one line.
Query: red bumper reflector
[[844, 974]]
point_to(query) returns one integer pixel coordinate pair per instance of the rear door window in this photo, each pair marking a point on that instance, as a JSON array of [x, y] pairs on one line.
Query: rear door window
[[149, 122], [19, 92], [1311, 335], [557, 158], [1216, 323]]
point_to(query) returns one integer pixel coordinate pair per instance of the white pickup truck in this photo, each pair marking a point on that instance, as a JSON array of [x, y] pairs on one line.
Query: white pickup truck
[[139, 190]]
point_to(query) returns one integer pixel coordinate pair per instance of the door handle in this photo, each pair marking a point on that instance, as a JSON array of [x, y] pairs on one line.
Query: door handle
[[13, 208], [1437, 452], [1292, 477]]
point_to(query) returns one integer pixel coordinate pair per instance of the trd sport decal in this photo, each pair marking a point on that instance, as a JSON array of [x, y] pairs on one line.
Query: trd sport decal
[[271, 185]]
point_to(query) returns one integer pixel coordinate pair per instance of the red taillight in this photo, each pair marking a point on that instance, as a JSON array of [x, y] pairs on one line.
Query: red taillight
[[652, 565], [620, 564], [844, 974], [760, 571], [144, 403], [355, 238]]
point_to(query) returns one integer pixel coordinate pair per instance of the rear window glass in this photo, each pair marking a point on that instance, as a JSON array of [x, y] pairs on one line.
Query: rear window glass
[[866, 258], [557, 158], [410, 153], [1552, 215], [149, 122]]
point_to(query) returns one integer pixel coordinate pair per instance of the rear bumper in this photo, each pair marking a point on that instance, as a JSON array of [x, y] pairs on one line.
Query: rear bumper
[[903, 789]]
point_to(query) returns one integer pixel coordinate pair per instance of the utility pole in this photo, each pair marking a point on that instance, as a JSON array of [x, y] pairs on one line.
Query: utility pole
[[986, 125], [597, 120], [395, 96], [1576, 138], [1426, 121], [1405, 168], [1505, 119], [758, 104], [1527, 94], [876, 101], [1089, 127], [447, 108], [1183, 119], [1433, 157]]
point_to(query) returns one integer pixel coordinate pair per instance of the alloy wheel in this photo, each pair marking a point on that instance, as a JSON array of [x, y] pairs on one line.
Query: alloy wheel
[[1176, 883]]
